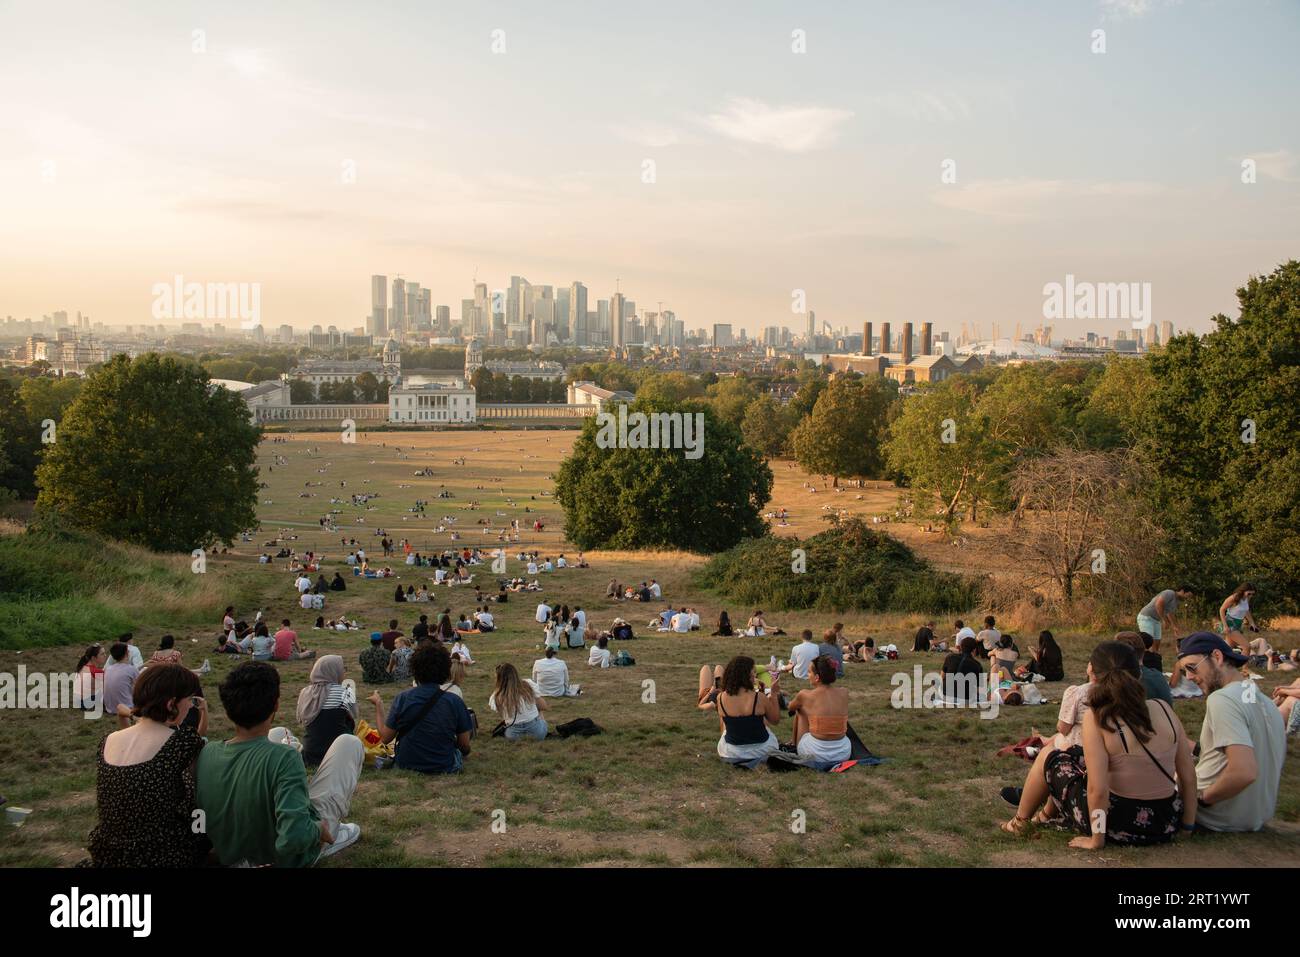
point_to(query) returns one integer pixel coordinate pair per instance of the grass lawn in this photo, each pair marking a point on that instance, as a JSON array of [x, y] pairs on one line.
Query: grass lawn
[[651, 790]]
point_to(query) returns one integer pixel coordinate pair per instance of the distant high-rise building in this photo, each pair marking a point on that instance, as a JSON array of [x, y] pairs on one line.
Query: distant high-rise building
[[722, 337], [562, 328], [1166, 332], [482, 324], [397, 312], [602, 323], [377, 324], [578, 313], [286, 333], [616, 316], [443, 322]]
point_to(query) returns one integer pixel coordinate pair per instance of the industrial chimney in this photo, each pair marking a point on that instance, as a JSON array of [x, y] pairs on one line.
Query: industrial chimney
[[927, 338], [866, 339], [907, 343], [885, 344]]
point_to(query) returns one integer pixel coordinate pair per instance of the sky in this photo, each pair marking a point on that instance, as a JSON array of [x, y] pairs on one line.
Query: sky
[[685, 149]]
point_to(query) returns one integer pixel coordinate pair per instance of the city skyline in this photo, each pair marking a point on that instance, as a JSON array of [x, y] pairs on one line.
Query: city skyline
[[308, 152]]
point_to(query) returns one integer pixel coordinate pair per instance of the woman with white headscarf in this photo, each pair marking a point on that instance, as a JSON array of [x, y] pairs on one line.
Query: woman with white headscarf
[[327, 708]]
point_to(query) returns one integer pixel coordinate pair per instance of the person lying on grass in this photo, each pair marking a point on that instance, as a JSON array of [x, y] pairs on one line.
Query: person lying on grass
[[1132, 782]]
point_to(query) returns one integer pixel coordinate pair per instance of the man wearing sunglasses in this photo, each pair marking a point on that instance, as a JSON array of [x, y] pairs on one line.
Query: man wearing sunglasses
[[1243, 738]]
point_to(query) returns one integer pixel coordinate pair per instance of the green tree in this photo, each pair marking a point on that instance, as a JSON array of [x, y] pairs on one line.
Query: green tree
[[1220, 438], [150, 453], [766, 426], [944, 448], [302, 392], [23, 443], [46, 398], [631, 498], [843, 436], [730, 397], [367, 387]]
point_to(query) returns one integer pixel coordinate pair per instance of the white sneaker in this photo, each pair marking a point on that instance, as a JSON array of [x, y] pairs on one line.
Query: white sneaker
[[206, 667], [347, 836]]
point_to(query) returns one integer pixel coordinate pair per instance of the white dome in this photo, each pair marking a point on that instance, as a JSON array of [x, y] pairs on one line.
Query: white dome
[[1007, 349]]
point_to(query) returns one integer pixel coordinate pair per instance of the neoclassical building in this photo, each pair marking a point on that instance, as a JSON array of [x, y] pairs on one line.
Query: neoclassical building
[[387, 368]]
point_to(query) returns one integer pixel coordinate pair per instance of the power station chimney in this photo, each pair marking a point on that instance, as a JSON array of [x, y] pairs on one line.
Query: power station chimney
[[907, 343], [866, 339], [927, 338], [885, 344]]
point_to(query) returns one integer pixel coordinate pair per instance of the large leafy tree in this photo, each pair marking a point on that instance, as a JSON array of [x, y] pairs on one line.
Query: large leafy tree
[[151, 453], [766, 426], [22, 443], [843, 437], [1220, 440], [658, 498]]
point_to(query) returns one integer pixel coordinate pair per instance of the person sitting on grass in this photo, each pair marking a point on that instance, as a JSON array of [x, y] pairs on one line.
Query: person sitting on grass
[[119, 679], [724, 626], [757, 626], [746, 715], [145, 779], [374, 661], [1154, 683], [399, 662], [551, 675], [286, 644], [821, 718], [962, 674], [88, 690], [459, 647], [432, 727], [1003, 657], [519, 703], [802, 655], [484, 621], [1047, 660], [1134, 769], [710, 687], [599, 657], [326, 709], [456, 679], [1243, 738], [924, 637], [260, 643], [338, 584], [261, 809], [830, 648], [167, 653]]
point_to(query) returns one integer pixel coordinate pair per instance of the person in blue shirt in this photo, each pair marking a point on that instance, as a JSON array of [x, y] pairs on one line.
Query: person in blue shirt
[[432, 727]]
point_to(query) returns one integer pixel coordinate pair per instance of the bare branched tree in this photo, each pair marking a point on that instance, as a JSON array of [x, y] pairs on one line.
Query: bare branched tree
[[1080, 517]]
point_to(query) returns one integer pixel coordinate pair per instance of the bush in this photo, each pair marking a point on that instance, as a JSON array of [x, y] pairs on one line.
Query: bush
[[849, 567]]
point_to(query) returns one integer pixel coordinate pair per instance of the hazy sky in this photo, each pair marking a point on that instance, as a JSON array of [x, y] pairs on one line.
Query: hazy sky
[[126, 157]]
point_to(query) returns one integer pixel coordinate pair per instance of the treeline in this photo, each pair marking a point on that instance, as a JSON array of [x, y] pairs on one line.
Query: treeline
[[363, 388], [499, 387]]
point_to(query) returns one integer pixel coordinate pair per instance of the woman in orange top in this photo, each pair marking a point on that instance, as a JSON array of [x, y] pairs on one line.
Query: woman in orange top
[[821, 718]]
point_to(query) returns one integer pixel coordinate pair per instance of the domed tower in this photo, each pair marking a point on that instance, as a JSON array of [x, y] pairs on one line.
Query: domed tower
[[392, 359], [473, 357]]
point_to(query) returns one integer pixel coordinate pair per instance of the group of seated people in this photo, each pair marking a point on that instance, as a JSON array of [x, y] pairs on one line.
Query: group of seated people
[[1122, 770], [104, 677], [239, 638], [681, 621], [647, 591]]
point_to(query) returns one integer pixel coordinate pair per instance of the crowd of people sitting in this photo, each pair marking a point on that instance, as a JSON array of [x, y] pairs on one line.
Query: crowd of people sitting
[[1119, 769]]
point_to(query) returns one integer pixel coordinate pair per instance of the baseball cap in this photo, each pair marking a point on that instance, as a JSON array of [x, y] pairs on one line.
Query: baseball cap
[[1205, 642], [376, 636]]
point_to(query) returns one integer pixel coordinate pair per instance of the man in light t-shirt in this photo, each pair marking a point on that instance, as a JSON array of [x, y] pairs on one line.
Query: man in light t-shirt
[[681, 622], [963, 631], [303, 583], [543, 613], [802, 655], [551, 675], [1243, 739], [989, 636], [1158, 613]]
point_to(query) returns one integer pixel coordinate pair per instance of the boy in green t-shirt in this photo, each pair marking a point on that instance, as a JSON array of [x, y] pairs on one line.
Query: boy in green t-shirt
[[258, 806]]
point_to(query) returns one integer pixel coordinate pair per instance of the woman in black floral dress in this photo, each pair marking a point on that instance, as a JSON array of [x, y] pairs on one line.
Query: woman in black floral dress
[[145, 787]]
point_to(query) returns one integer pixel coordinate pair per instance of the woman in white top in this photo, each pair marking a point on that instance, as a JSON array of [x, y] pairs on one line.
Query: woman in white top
[[460, 648], [599, 657], [1234, 613], [520, 703]]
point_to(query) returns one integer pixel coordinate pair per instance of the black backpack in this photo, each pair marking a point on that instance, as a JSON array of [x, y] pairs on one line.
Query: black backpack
[[581, 727]]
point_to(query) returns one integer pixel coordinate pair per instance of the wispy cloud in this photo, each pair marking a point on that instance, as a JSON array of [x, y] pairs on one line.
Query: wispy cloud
[[795, 129], [1131, 9], [922, 105], [648, 134], [1024, 199]]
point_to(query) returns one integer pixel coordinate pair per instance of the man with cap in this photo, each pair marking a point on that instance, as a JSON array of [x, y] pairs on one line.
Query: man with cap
[[1243, 738], [374, 661]]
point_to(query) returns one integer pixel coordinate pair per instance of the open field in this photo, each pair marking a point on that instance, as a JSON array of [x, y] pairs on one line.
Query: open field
[[650, 791]]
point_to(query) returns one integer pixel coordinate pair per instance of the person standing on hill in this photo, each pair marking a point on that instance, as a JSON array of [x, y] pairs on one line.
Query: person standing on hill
[[1159, 612]]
